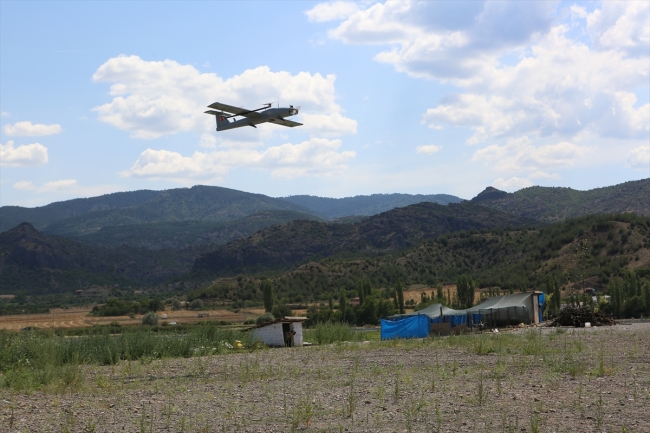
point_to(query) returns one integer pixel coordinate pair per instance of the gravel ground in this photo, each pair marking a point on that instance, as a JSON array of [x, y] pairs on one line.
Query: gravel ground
[[575, 380]]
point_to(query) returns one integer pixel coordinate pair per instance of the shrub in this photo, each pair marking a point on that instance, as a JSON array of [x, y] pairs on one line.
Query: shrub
[[150, 318], [176, 304], [264, 318], [281, 310], [196, 304]]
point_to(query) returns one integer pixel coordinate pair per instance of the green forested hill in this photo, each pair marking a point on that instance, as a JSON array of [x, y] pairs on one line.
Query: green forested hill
[[511, 259], [283, 246], [43, 216], [365, 204], [183, 234], [38, 263], [199, 203], [555, 204]]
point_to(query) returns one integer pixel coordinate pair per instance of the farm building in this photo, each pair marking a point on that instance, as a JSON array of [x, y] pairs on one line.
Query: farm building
[[274, 333], [498, 311]]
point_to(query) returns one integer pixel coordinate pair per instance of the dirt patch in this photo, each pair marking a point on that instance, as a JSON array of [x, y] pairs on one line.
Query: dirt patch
[[576, 380], [78, 318]]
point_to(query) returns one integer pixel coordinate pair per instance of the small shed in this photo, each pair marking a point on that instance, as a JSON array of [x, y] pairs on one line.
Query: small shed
[[285, 331]]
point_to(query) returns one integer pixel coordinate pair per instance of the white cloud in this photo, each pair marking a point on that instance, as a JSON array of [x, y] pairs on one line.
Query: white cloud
[[620, 25], [520, 71], [25, 155], [520, 155], [4, 114], [208, 141], [28, 129], [335, 10], [156, 98], [428, 150], [58, 185], [513, 183], [329, 124], [24, 185], [315, 157], [639, 158]]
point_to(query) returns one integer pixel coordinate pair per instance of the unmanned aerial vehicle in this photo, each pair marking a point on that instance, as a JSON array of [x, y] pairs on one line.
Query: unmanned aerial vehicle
[[251, 117]]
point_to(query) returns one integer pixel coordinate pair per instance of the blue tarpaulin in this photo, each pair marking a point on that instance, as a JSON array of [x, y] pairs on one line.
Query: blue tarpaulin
[[406, 327]]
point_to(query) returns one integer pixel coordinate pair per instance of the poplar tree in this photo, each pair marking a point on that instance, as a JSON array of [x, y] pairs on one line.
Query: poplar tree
[[267, 292], [343, 303], [400, 297]]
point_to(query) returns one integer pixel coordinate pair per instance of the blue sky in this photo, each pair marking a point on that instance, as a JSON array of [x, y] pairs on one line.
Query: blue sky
[[414, 97]]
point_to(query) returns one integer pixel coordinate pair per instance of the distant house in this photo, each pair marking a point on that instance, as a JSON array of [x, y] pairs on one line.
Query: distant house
[[78, 292], [273, 333], [356, 300]]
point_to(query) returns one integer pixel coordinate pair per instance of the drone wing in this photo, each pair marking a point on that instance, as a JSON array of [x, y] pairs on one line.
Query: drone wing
[[238, 111], [285, 122]]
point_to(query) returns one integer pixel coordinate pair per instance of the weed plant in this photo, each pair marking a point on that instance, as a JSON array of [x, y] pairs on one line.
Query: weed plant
[[36, 360]]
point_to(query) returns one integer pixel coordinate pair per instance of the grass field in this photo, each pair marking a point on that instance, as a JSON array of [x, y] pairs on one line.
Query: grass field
[[78, 317], [530, 380]]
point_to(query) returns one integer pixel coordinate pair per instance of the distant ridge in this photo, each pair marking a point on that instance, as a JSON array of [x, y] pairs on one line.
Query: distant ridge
[[365, 205], [551, 204], [198, 203]]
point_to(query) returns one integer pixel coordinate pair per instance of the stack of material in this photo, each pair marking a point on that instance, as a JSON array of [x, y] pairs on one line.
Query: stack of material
[[578, 316]]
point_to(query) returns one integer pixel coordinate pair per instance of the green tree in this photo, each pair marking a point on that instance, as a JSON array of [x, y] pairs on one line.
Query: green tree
[[615, 289], [439, 294], [400, 297], [150, 318], [343, 303], [361, 292], [465, 289], [280, 309], [331, 302], [267, 292]]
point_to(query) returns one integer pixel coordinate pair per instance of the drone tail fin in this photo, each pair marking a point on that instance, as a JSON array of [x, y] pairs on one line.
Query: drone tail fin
[[222, 121], [221, 117]]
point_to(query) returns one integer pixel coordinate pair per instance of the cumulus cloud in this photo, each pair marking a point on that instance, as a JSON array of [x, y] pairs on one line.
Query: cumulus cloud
[[511, 184], [428, 150], [520, 155], [331, 11], [208, 141], [156, 98], [24, 185], [4, 114], [25, 155], [28, 129], [620, 25], [315, 157], [639, 158], [519, 70], [329, 124], [58, 185]]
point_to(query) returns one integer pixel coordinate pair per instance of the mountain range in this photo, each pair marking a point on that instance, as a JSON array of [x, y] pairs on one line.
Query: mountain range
[[144, 238]]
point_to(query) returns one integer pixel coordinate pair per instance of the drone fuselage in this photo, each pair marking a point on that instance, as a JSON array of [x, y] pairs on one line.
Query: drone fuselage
[[272, 115]]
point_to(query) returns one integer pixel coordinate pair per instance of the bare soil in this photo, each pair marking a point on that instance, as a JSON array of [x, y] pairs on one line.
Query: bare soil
[[430, 385], [78, 317]]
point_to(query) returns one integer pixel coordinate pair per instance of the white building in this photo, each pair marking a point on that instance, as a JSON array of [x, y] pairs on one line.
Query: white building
[[273, 333]]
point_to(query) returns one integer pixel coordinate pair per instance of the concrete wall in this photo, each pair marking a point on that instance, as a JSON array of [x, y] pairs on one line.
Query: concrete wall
[[272, 335]]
